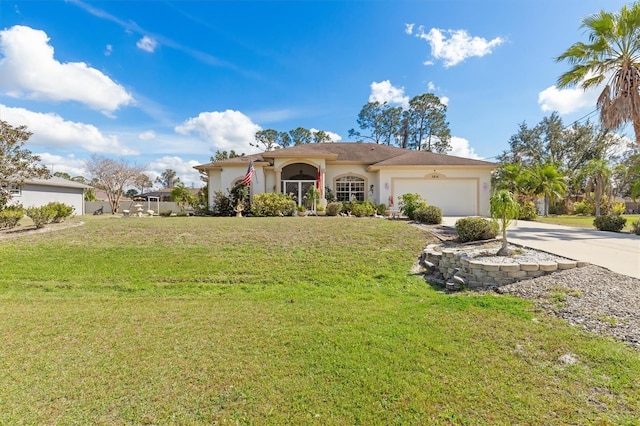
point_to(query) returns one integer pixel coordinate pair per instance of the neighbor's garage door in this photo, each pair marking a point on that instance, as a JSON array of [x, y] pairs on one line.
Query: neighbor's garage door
[[454, 197]]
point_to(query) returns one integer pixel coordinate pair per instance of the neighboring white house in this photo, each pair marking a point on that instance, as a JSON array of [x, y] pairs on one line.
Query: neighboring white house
[[362, 171], [39, 192]]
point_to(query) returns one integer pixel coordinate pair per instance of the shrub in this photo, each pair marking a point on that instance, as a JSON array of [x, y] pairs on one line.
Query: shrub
[[635, 227], [475, 229], [583, 208], [618, 209], [409, 203], [362, 209], [272, 204], [40, 215], [222, 204], [181, 213], [10, 216], [565, 206], [429, 214], [381, 209], [334, 208], [527, 211], [61, 211], [165, 213], [613, 223]]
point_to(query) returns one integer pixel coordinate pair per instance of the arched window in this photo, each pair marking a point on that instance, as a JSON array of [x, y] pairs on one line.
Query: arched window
[[350, 188]]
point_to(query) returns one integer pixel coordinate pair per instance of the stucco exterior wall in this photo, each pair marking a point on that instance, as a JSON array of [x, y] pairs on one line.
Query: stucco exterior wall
[[335, 171], [448, 181], [471, 184]]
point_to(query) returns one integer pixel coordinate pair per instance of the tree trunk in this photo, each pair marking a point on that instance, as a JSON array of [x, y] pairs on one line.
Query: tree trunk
[[636, 127], [546, 204]]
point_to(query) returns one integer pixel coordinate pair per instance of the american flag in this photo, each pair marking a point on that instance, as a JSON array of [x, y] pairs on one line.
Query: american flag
[[246, 181]]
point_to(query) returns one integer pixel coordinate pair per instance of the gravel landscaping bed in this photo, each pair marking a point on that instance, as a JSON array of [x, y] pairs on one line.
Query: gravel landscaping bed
[[592, 298]]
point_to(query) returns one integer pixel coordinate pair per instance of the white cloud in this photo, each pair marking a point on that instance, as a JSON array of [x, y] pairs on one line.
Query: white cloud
[[29, 70], [566, 101], [147, 44], [223, 130], [460, 147], [408, 28], [334, 136], [148, 135], [108, 50], [458, 47], [69, 164], [384, 91], [52, 131], [184, 170], [431, 87]]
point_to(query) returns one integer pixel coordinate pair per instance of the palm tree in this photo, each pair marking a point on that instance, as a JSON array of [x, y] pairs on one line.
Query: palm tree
[[508, 176], [504, 209], [597, 173], [612, 54], [182, 196], [547, 180]]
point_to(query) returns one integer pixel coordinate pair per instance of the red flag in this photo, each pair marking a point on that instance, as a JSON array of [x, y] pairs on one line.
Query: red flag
[[319, 181], [246, 181]]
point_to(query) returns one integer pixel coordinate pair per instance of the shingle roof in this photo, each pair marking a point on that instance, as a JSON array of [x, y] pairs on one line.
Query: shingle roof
[[366, 153], [57, 181]]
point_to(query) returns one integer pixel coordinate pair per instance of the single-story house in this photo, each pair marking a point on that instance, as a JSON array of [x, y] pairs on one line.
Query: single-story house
[[39, 192], [362, 171]]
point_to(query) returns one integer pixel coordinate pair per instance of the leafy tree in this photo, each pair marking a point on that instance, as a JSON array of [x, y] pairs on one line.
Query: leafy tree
[[504, 209], [142, 182], [182, 196], [300, 136], [284, 140], [627, 173], [112, 176], [63, 175], [131, 192], [17, 164], [427, 125], [80, 179], [634, 193], [224, 155], [382, 120], [90, 194], [266, 140], [321, 136], [548, 181], [597, 173], [612, 54], [168, 179]]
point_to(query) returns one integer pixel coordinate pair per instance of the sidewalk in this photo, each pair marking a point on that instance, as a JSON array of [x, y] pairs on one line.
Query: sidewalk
[[615, 251]]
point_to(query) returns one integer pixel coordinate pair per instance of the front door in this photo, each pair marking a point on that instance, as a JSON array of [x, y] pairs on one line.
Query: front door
[[297, 189]]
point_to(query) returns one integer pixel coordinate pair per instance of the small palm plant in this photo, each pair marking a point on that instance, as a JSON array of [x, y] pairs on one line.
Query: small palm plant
[[504, 209]]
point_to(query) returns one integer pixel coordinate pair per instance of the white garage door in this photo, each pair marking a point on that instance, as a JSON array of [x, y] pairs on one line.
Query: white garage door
[[454, 197]]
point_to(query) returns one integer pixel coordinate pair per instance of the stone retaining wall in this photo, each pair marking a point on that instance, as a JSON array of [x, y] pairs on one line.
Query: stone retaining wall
[[479, 275]]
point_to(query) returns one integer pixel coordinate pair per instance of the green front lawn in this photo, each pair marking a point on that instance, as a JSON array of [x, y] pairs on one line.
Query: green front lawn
[[583, 221], [280, 321]]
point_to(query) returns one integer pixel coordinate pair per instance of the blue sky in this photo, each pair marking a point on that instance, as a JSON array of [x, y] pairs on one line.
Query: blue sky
[[165, 84]]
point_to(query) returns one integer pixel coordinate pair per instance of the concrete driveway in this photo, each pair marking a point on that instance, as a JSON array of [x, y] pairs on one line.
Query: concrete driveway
[[614, 251]]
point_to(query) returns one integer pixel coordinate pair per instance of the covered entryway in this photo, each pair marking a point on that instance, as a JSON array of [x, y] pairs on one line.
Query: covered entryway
[[296, 180], [456, 197]]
